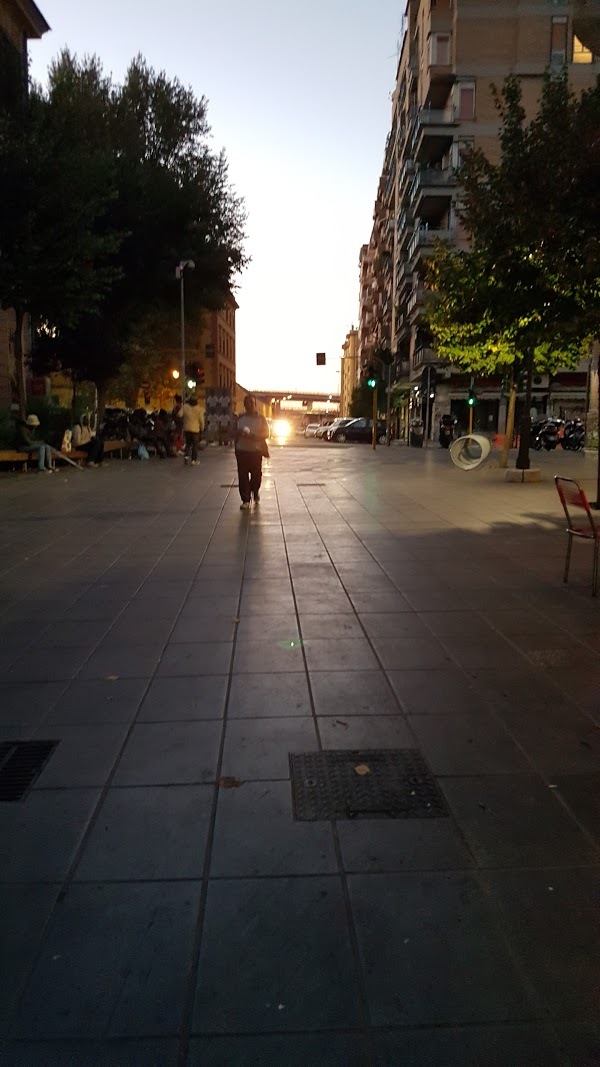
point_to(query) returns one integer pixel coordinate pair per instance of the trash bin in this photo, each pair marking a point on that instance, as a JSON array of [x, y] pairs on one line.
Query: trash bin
[[416, 434]]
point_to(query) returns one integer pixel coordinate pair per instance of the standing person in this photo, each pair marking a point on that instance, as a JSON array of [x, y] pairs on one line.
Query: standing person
[[250, 447], [83, 440], [28, 442], [192, 428]]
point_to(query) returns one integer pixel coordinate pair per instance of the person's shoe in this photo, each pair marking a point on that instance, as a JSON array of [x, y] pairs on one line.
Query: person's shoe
[[186, 459], [257, 498], [245, 505], [194, 463]]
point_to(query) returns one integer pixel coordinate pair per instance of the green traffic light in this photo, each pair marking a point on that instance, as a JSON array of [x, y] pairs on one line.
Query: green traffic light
[[471, 401], [371, 383]]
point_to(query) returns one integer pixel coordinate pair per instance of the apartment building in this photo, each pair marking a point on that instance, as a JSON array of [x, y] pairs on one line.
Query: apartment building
[[20, 22], [350, 370], [452, 52], [216, 348]]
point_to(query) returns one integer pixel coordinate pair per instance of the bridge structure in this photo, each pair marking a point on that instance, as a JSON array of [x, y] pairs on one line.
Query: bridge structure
[[299, 404]]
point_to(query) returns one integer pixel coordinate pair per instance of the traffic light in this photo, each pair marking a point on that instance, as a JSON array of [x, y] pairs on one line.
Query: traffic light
[[321, 359], [194, 372], [472, 398], [371, 377]]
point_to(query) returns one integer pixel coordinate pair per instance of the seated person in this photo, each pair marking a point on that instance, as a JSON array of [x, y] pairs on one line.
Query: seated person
[[83, 440], [28, 441]]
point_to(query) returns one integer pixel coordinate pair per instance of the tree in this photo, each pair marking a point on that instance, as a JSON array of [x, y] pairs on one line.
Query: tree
[[526, 295], [174, 202], [56, 185]]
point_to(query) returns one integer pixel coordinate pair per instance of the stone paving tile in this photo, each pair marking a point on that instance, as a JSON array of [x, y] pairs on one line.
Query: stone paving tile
[[344, 693], [172, 699], [22, 704], [113, 963], [268, 656], [275, 1050], [582, 794], [197, 658], [269, 696], [431, 692], [564, 966], [40, 837], [46, 665], [148, 833], [339, 654], [135, 661], [369, 731], [171, 753], [95, 701], [514, 820], [152, 1053], [403, 922], [395, 845], [84, 756], [258, 749], [467, 744], [494, 1046], [291, 946], [24, 911], [281, 847]]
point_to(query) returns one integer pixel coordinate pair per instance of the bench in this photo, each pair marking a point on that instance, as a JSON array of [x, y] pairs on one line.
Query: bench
[[23, 458]]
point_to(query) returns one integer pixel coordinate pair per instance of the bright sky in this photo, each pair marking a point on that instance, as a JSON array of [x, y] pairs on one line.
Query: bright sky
[[299, 97]]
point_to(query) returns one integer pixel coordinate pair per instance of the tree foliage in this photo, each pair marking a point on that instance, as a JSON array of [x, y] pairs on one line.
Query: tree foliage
[[126, 187], [528, 291]]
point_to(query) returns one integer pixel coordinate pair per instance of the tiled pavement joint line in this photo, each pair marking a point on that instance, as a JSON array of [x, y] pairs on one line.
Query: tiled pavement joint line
[[359, 977], [66, 882], [194, 962]]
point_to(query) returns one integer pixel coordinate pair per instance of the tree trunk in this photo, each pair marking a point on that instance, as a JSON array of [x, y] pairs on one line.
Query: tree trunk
[[102, 394], [523, 462], [20, 362], [510, 426]]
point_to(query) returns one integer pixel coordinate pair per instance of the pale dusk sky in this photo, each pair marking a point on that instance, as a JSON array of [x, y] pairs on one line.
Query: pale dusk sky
[[299, 97]]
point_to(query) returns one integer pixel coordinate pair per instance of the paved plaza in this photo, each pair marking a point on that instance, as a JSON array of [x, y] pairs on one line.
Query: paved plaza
[[160, 905]]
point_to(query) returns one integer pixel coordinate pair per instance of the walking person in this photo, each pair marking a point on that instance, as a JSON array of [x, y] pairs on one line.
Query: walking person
[[28, 442], [192, 428], [250, 447]]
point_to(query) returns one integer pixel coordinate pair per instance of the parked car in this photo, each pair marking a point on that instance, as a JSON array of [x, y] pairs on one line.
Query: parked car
[[335, 425], [322, 429], [359, 430], [311, 429]]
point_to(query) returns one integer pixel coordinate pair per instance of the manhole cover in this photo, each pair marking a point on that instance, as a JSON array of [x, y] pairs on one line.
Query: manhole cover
[[20, 764], [364, 784]]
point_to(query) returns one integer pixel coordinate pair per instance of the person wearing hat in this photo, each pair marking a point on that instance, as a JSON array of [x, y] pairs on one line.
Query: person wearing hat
[[27, 442]]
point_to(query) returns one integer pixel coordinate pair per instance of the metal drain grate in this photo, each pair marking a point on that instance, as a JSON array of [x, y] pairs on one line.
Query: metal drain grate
[[310, 485], [229, 485], [389, 784], [20, 764]]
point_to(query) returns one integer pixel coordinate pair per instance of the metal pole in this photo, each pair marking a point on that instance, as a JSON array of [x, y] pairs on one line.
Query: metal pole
[[182, 370], [428, 408], [388, 413], [374, 438], [471, 407]]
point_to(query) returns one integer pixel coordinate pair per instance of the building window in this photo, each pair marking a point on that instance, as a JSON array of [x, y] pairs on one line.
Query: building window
[[581, 54], [466, 101], [558, 40], [439, 49]]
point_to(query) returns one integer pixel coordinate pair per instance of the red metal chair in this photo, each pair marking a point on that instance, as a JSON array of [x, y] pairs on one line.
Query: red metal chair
[[572, 496]]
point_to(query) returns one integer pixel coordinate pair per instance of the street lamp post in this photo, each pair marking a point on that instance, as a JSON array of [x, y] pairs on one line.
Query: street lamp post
[[179, 274]]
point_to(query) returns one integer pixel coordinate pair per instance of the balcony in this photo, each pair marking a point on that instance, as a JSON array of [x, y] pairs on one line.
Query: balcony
[[425, 237], [415, 301], [432, 123], [423, 357]]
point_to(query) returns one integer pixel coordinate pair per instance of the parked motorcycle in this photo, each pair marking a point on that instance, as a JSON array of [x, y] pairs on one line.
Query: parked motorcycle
[[573, 438], [545, 434], [446, 434]]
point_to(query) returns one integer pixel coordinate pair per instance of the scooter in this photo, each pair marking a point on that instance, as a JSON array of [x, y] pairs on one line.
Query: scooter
[[544, 434], [573, 439], [446, 434]]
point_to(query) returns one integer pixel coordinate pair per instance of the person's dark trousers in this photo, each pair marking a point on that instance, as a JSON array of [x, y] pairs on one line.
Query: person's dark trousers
[[191, 444], [249, 466], [94, 449]]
